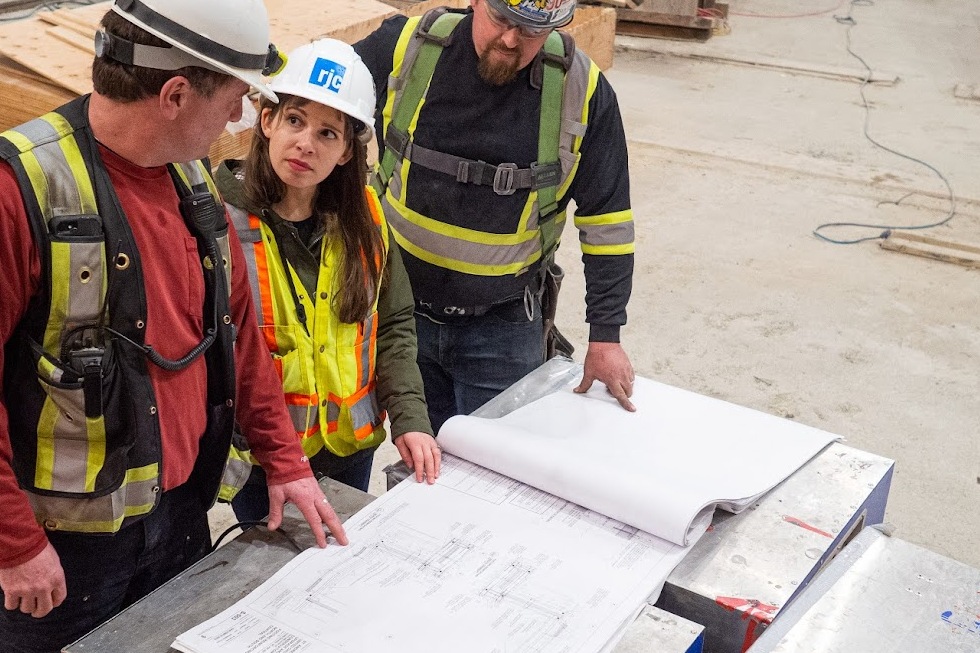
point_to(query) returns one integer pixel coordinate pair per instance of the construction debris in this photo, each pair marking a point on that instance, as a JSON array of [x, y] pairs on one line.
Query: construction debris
[[937, 249]]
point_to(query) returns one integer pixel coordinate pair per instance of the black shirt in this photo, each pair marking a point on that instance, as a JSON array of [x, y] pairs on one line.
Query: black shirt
[[467, 117]]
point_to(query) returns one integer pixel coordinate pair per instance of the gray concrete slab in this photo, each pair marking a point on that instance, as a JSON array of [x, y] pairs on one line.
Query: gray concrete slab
[[733, 165]]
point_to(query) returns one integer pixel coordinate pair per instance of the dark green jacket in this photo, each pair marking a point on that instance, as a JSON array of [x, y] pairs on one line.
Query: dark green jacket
[[399, 387]]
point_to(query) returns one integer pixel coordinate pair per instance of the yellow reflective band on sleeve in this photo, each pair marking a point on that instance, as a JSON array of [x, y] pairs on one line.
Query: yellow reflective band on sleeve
[[95, 427], [606, 218], [60, 278], [608, 250]]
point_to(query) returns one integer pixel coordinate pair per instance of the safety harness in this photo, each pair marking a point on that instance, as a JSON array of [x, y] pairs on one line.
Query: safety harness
[[86, 435], [564, 78]]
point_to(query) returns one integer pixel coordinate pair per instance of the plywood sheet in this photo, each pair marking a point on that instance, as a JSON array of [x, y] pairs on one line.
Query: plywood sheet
[[57, 45], [594, 31]]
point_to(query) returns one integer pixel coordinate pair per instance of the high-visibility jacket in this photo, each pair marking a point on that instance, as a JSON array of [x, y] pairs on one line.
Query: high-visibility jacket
[[568, 79], [327, 366], [83, 422]]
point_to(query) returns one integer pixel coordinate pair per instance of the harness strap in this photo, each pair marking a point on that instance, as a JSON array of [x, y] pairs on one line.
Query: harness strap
[[412, 86], [558, 52], [505, 177]]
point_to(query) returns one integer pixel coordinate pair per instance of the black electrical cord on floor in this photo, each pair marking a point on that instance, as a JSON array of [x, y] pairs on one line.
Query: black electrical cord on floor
[[248, 524], [849, 21]]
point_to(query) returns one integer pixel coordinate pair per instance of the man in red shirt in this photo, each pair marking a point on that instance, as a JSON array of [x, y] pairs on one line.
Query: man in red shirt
[[115, 424]]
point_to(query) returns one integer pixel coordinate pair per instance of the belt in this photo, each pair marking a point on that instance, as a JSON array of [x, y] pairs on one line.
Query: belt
[[513, 307]]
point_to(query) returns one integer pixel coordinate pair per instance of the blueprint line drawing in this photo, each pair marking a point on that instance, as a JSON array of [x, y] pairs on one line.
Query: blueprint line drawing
[[490, 564]]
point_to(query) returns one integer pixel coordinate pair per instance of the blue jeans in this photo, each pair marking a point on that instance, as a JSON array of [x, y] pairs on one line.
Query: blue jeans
[[467, 361], [106, 573], [252, 502]]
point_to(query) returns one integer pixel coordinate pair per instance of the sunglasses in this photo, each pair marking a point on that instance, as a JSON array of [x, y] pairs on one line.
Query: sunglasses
[[505, 24]]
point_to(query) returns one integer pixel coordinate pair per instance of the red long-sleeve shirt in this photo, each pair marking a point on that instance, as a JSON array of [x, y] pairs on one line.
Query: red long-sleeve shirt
[[174, 324]]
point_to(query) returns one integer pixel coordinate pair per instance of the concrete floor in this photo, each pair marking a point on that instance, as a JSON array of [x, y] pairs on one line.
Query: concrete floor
[[734, 164]]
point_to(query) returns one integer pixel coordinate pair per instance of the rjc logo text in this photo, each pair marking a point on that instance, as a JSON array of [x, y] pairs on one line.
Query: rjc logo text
[[328, 73]]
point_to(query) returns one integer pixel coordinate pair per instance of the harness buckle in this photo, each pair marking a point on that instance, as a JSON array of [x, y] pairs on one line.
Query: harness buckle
[[503, 179]]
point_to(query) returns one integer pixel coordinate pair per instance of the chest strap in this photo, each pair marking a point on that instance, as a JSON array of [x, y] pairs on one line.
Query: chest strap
[[504, 177]]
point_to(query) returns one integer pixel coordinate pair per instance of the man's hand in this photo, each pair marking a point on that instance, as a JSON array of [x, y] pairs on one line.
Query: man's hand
[[306, 494], [608, 362], [35, 587], [421, 453]]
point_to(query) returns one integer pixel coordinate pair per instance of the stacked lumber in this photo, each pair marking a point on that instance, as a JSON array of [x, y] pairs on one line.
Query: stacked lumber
[[46, 59], [683, 19]]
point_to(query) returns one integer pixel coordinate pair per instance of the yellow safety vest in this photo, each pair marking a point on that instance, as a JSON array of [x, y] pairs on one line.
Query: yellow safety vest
[[570, 79], [83, 422], [328, 367]]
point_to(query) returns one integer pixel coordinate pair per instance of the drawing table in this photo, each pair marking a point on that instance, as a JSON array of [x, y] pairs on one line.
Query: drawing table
[[733, 583], [747, 567]]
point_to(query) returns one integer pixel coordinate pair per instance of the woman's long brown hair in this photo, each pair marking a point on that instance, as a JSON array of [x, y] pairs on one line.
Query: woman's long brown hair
[[342, 194]]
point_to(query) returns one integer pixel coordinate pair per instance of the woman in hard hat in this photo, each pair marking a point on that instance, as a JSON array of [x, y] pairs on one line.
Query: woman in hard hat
[[332, 296]]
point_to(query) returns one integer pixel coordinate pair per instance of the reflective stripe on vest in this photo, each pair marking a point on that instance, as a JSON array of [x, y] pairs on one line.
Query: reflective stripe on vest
[[72, 448], [328, 373], [467, 250]]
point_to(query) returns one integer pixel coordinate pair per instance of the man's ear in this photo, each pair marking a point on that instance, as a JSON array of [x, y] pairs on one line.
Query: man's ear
[[174, 96]]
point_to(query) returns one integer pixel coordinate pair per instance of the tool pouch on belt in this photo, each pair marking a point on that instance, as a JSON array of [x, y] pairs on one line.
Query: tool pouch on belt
[[554, 342]]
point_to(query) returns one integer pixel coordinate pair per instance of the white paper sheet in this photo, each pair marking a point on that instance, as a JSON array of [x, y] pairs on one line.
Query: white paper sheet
[[678, 456], [478, 562]]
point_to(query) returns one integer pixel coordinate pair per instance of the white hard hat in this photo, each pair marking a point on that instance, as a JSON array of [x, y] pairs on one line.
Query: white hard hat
[[329, 72], [537, 13], [229, 36]]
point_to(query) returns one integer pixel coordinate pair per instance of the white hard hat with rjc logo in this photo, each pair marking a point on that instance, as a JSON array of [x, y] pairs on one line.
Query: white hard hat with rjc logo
[[330, 72], [229, 36]]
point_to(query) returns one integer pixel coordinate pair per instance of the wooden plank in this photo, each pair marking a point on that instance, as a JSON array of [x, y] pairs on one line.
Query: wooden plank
[[292, 23], [419, 7], [673, 7], [648, 30], [25, 95], [295, 22], [73, 38], [937, 249], [594, 30], [656, 18]]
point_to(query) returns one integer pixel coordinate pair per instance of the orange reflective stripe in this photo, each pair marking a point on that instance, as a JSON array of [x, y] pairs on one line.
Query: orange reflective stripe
[[304, 412], [265, 288], [375, 208], [364, 432]]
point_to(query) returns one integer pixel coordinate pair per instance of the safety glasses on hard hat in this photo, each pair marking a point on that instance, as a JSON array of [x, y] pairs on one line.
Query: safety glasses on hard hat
[[505, 23], [275, 61]]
